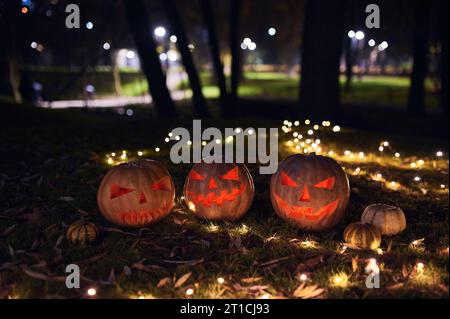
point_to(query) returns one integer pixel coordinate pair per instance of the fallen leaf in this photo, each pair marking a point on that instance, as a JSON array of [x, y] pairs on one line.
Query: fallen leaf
[[308, 292], [163, 282], [182, 280], [250, 280]]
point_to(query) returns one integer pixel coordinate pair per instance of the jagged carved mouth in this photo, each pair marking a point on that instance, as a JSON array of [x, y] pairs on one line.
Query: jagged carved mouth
[[144, 216], [219, 199], [305, 211]]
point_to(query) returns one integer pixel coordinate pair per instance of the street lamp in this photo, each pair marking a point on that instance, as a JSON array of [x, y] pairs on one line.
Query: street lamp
[[160, 32]]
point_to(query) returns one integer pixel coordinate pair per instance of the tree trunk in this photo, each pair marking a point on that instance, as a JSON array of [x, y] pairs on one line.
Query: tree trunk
[[9, 67], [443, 33], [140, 27], [116, 74], [234, 39], [349, 54], [416, 99], [215, 51], [321, 51], [175, 21]]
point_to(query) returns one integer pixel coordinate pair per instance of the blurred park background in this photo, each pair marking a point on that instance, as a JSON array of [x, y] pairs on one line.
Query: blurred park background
[[228, 49]]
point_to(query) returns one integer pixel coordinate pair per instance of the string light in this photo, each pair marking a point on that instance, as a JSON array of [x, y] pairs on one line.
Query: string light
[[92, 292], [189, 292], [303, 277], [220, 280]]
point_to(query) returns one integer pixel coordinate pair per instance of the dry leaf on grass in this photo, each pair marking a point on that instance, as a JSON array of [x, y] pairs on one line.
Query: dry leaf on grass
[[182, 280], [308, 292], [164, 282], [250, 280]]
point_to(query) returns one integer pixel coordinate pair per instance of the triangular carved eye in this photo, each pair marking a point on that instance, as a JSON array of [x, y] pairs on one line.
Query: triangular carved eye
[[142, 198], [117, 191], [231, 175], [327, 183], [163, 184], [195, 176], [287, 181]]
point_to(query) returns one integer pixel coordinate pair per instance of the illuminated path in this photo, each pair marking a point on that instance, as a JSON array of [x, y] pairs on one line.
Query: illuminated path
[[108, 102]]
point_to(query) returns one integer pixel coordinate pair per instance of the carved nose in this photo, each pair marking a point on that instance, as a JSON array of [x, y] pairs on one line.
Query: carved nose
[[212, 184], [304, 196]]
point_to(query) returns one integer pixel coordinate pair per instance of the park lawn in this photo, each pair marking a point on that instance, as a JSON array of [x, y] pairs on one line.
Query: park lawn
[[52, 162]]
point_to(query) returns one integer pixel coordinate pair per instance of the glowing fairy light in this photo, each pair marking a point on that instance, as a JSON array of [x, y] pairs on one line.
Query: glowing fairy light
[[317, 141], [251, 132], [297, 147], [123, 156], [372, 266], [140, 153], [330, 153], [170, 134], [379, 251], [110, 161], [285, 122], [113, 154], [340, 280], [413, 165], [167, 140], [357, 170], [381, 148], [177, 138], [420, 268], [347, 153], [439, 154], [296, 140], [220, 280], [397, 154], [157, 149], [442, 186], [421, 162], [189, 143], [361, 155], [92, 292], [310, 132], [308, 141], [316, 127], [296, 123], [417, 179], [336, 128], [265, 296], [303, 277], [295, 134], [218, 141], [189, 292], [307, 122], [385, 143]]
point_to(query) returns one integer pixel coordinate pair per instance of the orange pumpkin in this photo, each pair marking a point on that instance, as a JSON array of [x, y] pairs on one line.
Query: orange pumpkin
[[136, 194], [219, 191], [310, 191]]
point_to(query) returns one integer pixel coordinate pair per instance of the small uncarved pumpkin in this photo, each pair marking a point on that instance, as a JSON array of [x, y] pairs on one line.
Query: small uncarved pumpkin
[[364, 236], [219, 191], [81, 232], [136, 194], [310, 191], [389, 220]]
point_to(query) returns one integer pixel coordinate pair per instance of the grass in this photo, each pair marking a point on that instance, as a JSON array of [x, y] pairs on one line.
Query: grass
[[51, 155]]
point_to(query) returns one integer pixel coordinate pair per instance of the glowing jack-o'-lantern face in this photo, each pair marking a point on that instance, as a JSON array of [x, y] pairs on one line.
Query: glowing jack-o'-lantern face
[[136, 194], [310, 191], [219, 191]]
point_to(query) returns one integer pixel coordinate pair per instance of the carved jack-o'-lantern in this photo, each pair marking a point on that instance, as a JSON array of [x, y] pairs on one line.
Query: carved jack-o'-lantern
[[219, 191], [137, 193], [310, 191]]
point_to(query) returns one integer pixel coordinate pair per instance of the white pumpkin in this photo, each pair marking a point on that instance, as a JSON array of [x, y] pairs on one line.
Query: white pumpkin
[[389, 220]]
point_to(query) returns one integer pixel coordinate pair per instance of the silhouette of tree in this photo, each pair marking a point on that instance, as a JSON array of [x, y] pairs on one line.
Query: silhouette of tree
[[139, 24], [182, 42], [321, 51]]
